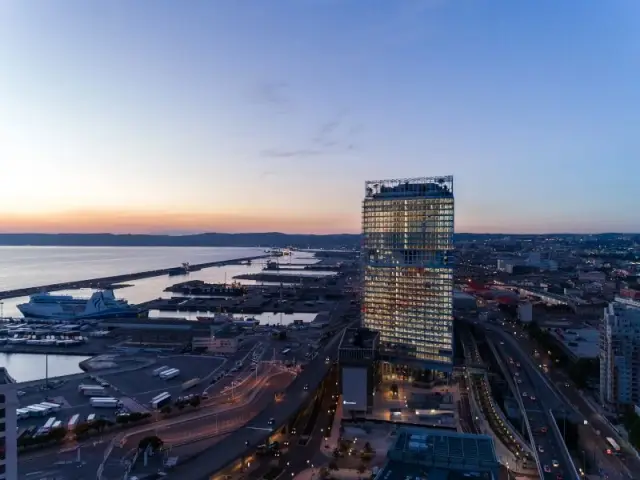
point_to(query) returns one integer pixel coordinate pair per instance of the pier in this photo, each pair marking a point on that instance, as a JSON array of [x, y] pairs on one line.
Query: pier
[[288, 278], [319, 268], [109, 282]]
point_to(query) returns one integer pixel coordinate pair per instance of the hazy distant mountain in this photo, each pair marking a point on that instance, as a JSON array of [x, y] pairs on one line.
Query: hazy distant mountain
[[267, 240], [271, 239]]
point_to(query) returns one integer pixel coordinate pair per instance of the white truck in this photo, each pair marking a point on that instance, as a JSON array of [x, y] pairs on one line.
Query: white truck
[[92, 390], [49, 425], [37, 410], [161, 400], [105, 402], [169, 374], [159, 370], [71, 426], [190, 383], [55, 407]]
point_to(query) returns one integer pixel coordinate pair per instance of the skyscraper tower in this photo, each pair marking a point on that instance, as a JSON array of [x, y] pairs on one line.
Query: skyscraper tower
[[407, 227]]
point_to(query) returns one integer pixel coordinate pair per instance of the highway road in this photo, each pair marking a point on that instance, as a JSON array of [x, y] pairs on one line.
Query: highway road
[[258, 430], [209, 423], [537, 403], [521, 348], [595, 445], [301, 456], [205, 421], [483, 395]]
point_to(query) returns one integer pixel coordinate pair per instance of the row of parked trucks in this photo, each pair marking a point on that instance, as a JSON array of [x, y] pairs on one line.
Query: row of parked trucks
[[53, 423], [37, 410]]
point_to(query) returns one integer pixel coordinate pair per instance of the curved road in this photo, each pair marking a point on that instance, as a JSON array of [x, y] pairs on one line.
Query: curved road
[[614, 467], [259, 429], [547, 445], [519, 348]]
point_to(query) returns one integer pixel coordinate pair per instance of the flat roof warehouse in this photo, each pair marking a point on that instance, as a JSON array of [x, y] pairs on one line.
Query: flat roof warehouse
[[440, 455]]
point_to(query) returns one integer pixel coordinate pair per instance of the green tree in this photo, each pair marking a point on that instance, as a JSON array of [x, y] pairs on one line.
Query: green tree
[[153, 440]]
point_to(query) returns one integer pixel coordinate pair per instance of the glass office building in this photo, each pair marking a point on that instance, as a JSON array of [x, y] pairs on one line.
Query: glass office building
[[407, 227]]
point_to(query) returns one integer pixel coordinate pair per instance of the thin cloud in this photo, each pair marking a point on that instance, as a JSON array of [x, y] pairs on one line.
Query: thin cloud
[[278, 153], [334, 137], [275, 94]]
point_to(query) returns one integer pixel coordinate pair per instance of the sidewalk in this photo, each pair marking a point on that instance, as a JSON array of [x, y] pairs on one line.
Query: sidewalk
[[313, 474], [327, 447]]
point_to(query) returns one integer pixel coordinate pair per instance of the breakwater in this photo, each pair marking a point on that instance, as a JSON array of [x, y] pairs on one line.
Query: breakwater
[[277, 278], [109, 282]]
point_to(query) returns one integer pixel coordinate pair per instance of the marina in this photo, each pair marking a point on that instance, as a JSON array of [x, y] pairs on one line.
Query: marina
[[198, 336], [60, 325]]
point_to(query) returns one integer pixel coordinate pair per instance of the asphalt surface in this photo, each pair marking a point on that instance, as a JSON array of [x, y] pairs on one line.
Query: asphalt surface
[[258, 430], [466, 417], [300, 456], [537, 402], [482, 393], [573, 401], [207, 424], [48, 462]]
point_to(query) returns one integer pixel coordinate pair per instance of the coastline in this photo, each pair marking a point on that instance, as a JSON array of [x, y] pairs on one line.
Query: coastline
[[108, 282]]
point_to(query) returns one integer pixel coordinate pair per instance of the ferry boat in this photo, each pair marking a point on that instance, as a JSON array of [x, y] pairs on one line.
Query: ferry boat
[[101, 305]]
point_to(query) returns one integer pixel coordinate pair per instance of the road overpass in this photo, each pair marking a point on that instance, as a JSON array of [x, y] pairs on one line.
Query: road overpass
[[543, 437]]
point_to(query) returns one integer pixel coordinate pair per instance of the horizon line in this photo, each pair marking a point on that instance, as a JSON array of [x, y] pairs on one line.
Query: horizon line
[[303, 234]]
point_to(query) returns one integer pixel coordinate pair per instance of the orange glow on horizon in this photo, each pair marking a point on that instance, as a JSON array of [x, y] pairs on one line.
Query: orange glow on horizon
[[150, 222]]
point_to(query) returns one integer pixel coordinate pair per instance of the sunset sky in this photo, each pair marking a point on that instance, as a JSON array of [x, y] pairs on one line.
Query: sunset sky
[[229, 115]]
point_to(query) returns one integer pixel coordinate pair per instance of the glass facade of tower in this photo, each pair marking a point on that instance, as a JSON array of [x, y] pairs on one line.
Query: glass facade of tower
[[408, 268]]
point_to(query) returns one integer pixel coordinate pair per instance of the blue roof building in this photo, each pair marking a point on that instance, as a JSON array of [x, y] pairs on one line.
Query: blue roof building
[[429, 454]]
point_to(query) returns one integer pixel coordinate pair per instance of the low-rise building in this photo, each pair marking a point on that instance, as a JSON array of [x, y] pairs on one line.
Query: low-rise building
[[579, 343], [440, 455], [223, 340], [357, 358]]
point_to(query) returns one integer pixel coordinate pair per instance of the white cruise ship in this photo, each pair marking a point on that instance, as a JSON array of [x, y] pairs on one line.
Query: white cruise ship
[[65, 307]]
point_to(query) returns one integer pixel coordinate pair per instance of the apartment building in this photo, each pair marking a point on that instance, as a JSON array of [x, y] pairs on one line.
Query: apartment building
[[620, 355]]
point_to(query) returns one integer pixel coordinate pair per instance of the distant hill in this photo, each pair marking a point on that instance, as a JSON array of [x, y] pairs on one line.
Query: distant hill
[[270, 239], [266, 240]]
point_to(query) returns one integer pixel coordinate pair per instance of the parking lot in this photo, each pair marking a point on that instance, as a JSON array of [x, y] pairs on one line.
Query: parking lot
[[142, 385]]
